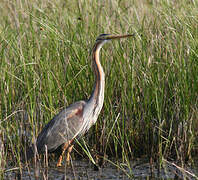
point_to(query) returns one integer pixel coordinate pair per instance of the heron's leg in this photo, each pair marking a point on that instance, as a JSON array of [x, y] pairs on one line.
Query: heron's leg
[[61, 156], [68, 153]]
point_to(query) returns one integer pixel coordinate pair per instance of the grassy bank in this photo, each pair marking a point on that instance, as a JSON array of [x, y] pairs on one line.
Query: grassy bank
[[151, 95]]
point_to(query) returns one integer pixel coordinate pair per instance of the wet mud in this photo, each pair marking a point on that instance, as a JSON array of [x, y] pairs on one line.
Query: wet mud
[[84, 170]]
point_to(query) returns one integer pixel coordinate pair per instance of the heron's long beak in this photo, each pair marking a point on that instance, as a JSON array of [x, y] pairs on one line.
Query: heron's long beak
[[119, 36]]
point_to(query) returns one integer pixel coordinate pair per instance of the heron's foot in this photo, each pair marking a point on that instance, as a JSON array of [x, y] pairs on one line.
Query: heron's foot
[[59, 163], [69, 149], [68, 154], [68, 158]]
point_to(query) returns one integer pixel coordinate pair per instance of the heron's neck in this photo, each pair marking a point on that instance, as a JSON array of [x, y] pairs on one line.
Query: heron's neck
[[97, 96]]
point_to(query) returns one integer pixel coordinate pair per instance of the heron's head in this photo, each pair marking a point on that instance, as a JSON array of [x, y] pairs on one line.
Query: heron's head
[[106, 37], [103, 38]]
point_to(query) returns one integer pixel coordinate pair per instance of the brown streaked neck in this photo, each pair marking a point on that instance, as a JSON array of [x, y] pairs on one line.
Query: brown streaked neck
[[97, 96]]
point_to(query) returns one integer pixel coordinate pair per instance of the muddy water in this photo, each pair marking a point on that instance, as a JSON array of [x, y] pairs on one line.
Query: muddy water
[[84, 170]]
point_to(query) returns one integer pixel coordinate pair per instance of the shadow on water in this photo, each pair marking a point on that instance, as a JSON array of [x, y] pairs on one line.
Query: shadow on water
[[85, 170]]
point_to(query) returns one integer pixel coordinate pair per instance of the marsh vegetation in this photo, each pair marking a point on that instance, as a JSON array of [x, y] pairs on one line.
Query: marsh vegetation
[[151, 95]]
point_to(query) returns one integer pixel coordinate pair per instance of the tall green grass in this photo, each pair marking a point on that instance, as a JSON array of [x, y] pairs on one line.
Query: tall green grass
[[151, 94]]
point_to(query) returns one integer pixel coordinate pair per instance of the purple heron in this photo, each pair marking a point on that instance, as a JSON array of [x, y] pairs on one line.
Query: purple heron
[[75, 120]]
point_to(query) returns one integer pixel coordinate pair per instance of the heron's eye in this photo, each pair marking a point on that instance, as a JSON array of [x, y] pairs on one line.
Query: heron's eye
[[103, 35]]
